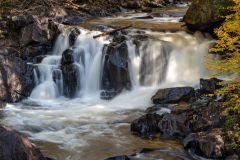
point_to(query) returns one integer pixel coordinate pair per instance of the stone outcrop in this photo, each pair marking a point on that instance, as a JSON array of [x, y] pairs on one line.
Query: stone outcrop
[[204, 14], [115, 74], [16, 146], [70, 73], [16, 76]]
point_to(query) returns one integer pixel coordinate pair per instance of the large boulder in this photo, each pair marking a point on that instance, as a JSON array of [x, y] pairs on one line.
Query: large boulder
[[16, 146], [206, 144], [204, 14], [115, 74], [174, 125], [70, 74], [173, 95], [147, 125], [16, 76]]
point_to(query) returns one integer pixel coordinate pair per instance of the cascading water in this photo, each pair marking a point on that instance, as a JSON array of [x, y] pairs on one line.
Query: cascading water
[[87, 127]]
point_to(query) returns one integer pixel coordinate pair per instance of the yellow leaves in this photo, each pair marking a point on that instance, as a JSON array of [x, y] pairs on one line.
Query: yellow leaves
[[228, 44]]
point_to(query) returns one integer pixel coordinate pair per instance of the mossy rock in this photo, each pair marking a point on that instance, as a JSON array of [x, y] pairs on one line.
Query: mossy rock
[[206, 14]]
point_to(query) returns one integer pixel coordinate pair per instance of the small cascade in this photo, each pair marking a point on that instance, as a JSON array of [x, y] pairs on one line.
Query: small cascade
[[81, 65]]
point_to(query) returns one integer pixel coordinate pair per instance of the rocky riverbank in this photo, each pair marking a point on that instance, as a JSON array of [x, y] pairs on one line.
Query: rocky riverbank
[[192, 116]]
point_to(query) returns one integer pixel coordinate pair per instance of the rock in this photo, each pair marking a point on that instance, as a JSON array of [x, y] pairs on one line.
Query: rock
[[72, 20], [144, 17], [133, 5], [16, 76], [159, 109], [206, 144], [147, 125], [36, 50], [71, 80], [174, 125], [173, 95], [209, 85], [38, 59], [73, 36], [115, 76], [16, 146], [118, 158], [204, 14], [18, 22], [37, 32], [70, 74], [67, 57], [232, 157], [108, 95], [153, 3]]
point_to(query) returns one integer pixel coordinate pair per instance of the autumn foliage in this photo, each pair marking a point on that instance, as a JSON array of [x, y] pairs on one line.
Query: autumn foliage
[[228, 45]]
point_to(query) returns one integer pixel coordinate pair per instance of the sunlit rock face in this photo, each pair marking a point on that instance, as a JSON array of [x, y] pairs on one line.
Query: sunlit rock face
[[16, 76], [204, 14], [14, 145]]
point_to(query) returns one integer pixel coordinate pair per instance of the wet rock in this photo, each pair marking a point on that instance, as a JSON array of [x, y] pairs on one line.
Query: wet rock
[[101, 28], [17, 22], [15, 146], [204, 14], [57, 75], [173, 95], [174, 125], [147, 125], [144, 17], [72, 20], [35, 50], [232, 157], [206, 144], [73, 36], [67, 57], [118, 158], [16, 76], [71, 80], [159, 108], [133, 5], [70, 74], [153, 3], [38, 59], [108, 95], [37, 32], [209, 85], [115, 76]]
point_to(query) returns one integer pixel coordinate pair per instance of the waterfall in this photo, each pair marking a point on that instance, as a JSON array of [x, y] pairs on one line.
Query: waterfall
[[157, 59]]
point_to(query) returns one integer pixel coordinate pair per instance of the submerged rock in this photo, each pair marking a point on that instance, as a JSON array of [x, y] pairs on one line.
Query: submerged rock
[[16, 146], [173, 95]]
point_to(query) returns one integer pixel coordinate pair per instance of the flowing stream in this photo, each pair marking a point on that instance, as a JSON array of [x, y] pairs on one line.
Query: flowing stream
[[89, 128]]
